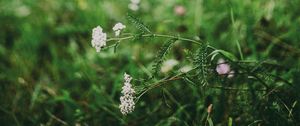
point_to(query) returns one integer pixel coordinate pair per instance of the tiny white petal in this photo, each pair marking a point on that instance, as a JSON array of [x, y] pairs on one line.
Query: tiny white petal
[[185, 69]]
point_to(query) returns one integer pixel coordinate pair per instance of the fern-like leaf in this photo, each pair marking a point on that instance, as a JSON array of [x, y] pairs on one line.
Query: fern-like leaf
[[160, 56], [201, 62], [138, 23]]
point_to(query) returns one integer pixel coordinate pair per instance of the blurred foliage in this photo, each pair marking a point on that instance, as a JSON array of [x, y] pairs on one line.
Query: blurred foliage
[[50, 74]]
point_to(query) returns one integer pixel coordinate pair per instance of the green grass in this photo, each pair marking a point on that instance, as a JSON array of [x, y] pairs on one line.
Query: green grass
[[50, 74]]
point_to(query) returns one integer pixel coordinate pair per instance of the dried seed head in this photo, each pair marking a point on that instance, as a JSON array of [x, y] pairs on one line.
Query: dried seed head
[[209, 108]]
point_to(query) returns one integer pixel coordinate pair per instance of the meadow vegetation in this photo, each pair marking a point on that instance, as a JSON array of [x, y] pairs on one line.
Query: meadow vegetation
[[188, 62]]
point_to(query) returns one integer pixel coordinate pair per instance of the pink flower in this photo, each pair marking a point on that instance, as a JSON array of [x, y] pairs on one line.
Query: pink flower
[[223, 68], [179, 10]]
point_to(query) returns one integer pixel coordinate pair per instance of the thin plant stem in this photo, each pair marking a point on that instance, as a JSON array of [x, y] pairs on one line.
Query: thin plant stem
[[179, 76], [235, 32], [156, 35]]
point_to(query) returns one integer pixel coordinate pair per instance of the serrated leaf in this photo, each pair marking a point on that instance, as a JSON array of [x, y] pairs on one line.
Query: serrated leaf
[[188, 80], [161, 55], [200, 61], [138, 24]]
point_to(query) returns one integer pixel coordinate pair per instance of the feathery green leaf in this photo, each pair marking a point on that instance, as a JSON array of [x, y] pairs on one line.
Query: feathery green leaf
[[201, 62], [161, 55], [138, 23]]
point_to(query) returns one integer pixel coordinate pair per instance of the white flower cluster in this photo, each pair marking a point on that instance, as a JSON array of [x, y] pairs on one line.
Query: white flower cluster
[[98, 38], [117, 28], [134, 5], [127, 100]]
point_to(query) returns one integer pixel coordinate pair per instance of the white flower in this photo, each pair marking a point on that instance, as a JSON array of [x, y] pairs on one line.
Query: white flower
[[118, 27], [22, 11], [185, 69], [135, 1], [133, 7], [98, 38], [168, 65], [127, 100]]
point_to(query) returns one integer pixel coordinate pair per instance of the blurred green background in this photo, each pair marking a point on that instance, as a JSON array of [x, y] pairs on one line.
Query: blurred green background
[[50, 74]]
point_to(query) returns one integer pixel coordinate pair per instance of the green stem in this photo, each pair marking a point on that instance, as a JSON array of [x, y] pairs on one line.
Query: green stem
[[156, 35], [235, 32], [177, 37]]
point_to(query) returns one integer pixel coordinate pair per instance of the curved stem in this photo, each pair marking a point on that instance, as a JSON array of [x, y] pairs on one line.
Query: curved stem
[[177, 37], [179, 76], [119, 39], [156, 35]]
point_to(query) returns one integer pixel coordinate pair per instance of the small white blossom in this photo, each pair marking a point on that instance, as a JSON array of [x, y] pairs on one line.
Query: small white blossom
[[185, 69], [135, 1], [134, 5], [118, 27], [168, 65], [127, 100], [98, 38]]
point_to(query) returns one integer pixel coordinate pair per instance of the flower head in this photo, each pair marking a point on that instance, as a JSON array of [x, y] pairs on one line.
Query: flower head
[[168, 65], [127, 100], [185, 69], [98, 38], [118, 27], [134, 5], [223, 68], [179, 10], [135, 1]]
